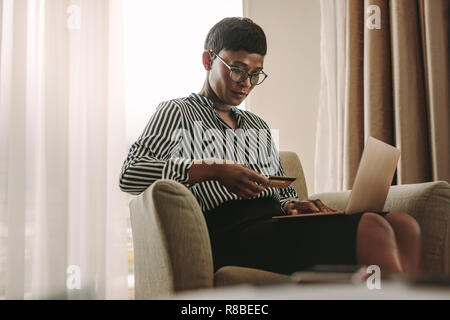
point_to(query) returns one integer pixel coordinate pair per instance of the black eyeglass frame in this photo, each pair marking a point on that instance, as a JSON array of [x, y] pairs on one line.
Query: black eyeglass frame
[[248, 75]]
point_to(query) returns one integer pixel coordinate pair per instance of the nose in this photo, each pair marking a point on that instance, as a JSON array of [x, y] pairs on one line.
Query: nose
[[246, 83]]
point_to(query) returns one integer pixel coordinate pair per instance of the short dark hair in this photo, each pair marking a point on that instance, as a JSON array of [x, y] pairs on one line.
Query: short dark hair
[[236, 34]]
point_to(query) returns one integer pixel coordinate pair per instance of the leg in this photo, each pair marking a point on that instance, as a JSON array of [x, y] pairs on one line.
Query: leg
[[288, 245], [407, 234], [376, 244]]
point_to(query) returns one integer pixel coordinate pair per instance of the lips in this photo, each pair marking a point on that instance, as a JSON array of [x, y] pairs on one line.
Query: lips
[[240, 94]]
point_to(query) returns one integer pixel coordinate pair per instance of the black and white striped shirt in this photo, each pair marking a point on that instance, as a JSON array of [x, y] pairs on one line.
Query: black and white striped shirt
[[187, 129]]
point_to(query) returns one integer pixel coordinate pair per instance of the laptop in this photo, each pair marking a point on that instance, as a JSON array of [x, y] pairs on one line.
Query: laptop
[[373, 180]]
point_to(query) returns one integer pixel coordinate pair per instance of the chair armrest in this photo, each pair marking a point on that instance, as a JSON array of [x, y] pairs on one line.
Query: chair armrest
[[171, 241], [429, 204]]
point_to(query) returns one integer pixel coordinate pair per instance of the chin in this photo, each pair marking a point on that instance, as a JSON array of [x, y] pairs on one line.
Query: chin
[[234, 101]]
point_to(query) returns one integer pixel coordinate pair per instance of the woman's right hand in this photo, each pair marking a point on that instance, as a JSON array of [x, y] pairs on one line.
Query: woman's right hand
[[297, 207], [241, 180]]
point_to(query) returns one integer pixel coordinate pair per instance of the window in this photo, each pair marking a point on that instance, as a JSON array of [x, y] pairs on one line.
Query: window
[[163, 47]]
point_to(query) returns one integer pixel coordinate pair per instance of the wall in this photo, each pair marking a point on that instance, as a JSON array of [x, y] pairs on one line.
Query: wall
[[288, 100]]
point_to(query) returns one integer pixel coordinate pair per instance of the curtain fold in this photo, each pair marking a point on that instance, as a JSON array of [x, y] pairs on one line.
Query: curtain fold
[[378, 114], [63, 217], [396, 87], [435, 24], [354, 91], [411, 123], [329, 152]]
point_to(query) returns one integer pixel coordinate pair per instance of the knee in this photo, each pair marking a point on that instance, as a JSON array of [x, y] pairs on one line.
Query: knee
[[374, 223], [404, 224]]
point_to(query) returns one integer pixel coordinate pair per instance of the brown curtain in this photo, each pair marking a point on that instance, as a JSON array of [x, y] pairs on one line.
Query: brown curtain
[[397, 86]]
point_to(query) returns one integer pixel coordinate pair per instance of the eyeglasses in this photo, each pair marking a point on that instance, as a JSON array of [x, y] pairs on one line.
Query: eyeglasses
[[240, 75]]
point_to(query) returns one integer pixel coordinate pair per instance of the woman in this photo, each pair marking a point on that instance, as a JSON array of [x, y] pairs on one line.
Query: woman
[[235, 195]]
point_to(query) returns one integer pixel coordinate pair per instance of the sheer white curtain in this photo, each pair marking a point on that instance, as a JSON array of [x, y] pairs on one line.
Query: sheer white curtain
[[328, 173], [62, 143]]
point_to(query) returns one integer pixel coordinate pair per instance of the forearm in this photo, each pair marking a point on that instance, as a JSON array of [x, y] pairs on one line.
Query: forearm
[[138, 173], [204, 171]]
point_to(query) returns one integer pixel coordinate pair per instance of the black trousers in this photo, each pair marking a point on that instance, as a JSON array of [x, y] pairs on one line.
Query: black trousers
[[243, 234]]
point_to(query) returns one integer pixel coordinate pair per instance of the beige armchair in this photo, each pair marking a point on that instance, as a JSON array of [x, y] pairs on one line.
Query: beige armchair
[[172, 250]]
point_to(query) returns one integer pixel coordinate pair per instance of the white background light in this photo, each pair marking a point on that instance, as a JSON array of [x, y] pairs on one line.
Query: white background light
[[163, 52]]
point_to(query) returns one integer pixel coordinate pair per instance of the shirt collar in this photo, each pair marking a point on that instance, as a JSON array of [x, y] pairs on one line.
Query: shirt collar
[[209, 103]]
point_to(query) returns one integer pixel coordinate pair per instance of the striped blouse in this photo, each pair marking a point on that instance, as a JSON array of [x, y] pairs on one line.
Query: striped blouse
[[187, 129]]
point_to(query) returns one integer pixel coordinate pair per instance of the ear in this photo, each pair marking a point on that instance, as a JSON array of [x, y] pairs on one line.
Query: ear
[[207, 61]]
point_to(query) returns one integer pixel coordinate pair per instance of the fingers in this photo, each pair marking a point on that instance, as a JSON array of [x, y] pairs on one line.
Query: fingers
[[253, 186], [323, 207], [255, 176], [289, 209], [253, 192], [289, 206], [320, 205], [305, 206], [313, 207], [259, 178], [256, 183], [252, 183], [247, 193], [250, 189]]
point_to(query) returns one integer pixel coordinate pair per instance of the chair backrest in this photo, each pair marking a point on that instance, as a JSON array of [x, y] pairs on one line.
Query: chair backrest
[[293, 168]]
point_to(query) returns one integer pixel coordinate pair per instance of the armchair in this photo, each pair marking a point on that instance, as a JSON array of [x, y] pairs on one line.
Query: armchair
[[173, 250]]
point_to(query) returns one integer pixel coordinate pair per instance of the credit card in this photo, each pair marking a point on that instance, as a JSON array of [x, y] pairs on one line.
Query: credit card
[[280, 182]]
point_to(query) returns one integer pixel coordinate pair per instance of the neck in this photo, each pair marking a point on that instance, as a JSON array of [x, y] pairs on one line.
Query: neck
[[208, 92]]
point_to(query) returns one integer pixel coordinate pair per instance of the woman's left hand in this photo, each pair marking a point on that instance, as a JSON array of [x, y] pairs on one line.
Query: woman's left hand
[[297, 207]]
